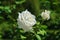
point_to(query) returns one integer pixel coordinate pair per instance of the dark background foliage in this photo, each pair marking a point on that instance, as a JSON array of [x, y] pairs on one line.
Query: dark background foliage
[[46, 30]]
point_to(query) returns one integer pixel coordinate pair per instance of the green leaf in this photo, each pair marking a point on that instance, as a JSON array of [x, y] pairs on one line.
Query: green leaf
[[42, 32], [4, 26], [20, 2], [23, 37], [38, 23], [14, 6], [6, 8], [1, 7], [43, 27], [38, 37]]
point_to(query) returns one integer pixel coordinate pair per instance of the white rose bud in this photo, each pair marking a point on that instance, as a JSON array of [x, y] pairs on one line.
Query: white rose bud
[[45, 15], [26, 20]]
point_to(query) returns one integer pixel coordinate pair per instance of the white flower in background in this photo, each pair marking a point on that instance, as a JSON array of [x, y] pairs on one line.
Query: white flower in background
[[45, 15], [26, 20]]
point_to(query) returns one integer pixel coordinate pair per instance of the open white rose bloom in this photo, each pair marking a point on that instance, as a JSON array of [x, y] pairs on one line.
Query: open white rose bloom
[[45, 15], [26, 20]]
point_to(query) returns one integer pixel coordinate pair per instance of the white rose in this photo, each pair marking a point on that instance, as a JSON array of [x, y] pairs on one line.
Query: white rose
[[26, 20], [45, 15]]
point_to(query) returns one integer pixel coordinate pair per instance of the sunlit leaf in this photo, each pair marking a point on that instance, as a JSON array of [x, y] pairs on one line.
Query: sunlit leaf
[[42, 32], [20, 2], [38, 37], [22, 37]]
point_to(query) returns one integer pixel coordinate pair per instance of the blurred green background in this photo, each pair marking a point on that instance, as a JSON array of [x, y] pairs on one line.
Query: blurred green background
[[45, 30]]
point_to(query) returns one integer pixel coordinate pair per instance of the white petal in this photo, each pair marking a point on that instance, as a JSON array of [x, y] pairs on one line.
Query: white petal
[[26, 20]]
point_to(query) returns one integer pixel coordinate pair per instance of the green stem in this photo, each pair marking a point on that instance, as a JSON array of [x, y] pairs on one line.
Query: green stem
[[37, 36], [35, 6]]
